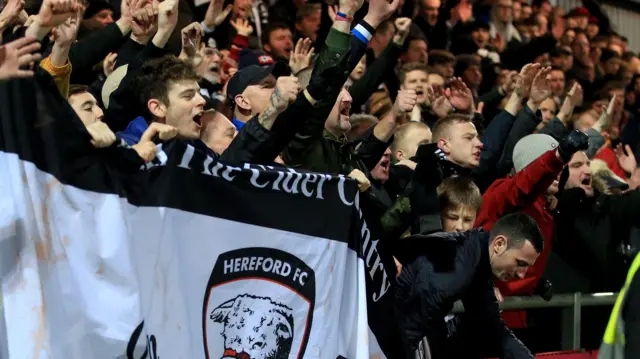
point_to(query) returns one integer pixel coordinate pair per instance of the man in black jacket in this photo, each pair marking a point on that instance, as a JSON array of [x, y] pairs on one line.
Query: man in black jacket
[[462, 266]]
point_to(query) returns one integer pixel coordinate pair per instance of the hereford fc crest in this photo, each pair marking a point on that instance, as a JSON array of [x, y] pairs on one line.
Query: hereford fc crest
[[258, 305]]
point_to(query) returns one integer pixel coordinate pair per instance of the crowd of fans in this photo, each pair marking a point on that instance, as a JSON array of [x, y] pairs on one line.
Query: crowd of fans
[[451, 115]]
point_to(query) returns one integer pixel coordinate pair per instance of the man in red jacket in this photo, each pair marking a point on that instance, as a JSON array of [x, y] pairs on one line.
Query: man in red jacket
[[538, 161]]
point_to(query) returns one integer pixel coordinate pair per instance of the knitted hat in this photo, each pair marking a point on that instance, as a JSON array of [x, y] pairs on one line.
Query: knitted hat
[[529, 148], [97, 6]]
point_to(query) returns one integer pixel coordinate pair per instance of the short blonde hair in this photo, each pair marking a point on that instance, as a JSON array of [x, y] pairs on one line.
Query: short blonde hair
[[458, 191]]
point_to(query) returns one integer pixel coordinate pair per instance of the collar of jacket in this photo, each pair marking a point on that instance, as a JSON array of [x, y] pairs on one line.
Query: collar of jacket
[[342, 140], [211, 87], [451, 169], [483, 238]]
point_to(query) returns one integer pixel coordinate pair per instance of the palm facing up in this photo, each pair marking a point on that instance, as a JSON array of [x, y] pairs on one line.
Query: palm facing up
[[626, 160]]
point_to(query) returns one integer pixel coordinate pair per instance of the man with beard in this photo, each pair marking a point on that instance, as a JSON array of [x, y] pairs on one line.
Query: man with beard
[[598, 236], [209, 72], [600, 231], [328, 150], [277, 41]]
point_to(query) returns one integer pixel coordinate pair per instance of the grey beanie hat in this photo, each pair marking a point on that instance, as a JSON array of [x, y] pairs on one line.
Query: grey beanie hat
[[530, 147]]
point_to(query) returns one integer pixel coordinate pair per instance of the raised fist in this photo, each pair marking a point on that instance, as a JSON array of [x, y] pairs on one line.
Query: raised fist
[[361, 178], [287, 88], [101, 134], [574, 142], [405, 102]]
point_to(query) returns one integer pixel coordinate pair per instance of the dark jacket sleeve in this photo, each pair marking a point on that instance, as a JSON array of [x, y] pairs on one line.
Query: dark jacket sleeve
[[128, 52], [481, 305], [631, 317], [362, 89], [371, 149], [250, 145], [92, 49], [257, 145], [624, 209], [525, 123], [556, 129], [493, 139]]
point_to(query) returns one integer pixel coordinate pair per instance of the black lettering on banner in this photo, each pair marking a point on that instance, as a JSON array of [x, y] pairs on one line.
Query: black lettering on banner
[[151, 350], [379, 273]]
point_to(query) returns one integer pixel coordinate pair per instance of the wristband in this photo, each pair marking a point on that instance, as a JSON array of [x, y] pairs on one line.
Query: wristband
[[341, 14], [340, 18]]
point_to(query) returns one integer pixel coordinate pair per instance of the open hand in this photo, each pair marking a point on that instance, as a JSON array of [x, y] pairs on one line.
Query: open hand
[[301, 56], [10, 14], [65, 34], [16, 54], [460, 96], [541, 86], [626, 159], [215, 14], [242, 27], [525, 79], [109, 63], [440, 105]]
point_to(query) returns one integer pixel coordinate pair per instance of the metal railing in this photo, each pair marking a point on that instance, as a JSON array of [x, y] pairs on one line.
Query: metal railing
[[571, 316]]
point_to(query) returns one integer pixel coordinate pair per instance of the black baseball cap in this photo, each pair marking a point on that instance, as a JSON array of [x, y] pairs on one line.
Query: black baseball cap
[[248, 57], [253, 75]]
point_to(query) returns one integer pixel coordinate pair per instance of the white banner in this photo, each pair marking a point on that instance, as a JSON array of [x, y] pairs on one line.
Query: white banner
[[81, 270]]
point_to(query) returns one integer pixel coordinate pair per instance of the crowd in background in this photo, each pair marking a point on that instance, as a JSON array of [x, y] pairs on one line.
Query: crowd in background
[[449, 114]]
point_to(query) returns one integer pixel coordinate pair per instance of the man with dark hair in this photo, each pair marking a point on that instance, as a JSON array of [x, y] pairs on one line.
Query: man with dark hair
[[415, 50], [461, 266], [85, 104], [414, 76], [308, 21], [168, 89], [561, 57], [277, 41], [442, 62]]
